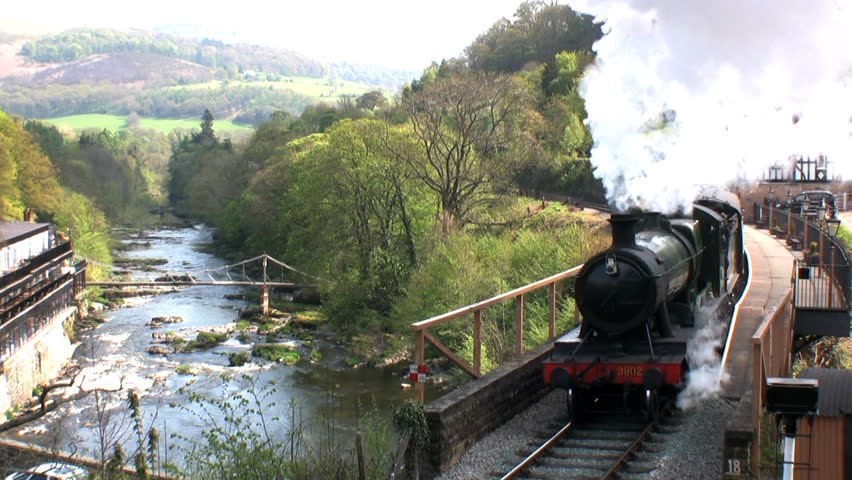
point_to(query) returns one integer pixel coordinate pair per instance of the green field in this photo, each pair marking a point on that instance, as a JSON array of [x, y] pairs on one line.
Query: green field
[[223, 128], [319, 89]]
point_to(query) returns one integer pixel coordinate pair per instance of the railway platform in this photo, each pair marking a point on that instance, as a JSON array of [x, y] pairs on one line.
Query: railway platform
[[771, 263]]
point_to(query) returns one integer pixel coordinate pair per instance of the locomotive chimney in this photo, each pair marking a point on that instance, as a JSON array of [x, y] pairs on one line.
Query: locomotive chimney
[[624, 226]]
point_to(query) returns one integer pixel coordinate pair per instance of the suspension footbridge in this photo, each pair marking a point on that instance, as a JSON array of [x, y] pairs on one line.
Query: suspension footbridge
[[263, 272]]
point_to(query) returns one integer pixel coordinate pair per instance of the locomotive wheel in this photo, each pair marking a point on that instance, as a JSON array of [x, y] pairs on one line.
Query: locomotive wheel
[[650, 405], [573, 403]]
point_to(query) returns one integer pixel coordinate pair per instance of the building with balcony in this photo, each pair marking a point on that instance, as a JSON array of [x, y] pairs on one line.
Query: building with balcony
[[39, 287]]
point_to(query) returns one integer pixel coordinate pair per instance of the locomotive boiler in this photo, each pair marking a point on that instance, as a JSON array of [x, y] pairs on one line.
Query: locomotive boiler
[[639, 300]]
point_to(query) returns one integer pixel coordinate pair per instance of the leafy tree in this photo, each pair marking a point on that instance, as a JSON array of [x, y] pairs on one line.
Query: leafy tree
[[459, 125], [207, 136], [354, 215], [89, 230], [47, 136], [538, 32], [28, 178], [372, 100]]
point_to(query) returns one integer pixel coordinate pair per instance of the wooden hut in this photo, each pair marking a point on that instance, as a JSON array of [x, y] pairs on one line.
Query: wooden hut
[[824, 444]]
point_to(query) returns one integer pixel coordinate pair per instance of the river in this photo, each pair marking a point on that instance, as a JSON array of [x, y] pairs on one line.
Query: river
[[114, 356]]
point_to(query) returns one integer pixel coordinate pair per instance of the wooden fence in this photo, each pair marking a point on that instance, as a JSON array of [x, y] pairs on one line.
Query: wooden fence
[[771, 357], [422, 335]]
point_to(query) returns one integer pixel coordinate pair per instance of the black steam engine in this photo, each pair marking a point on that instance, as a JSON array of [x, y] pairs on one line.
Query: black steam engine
[[640, 299]]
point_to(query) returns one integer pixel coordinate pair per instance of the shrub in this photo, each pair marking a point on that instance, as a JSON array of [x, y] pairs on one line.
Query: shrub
[[206, 340], [238, 359], [277, 353]]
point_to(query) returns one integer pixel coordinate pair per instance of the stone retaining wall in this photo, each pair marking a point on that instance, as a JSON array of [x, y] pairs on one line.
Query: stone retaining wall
[[36, 362], [465, 415]]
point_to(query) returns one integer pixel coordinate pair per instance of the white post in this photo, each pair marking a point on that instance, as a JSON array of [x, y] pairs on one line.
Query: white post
[[789, 457]]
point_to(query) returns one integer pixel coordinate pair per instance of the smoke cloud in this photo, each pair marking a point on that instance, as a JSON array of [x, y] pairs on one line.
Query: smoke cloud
[[705, 374], [692, 92]]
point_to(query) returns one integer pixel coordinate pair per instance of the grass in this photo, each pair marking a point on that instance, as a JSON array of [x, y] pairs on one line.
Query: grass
[[165, 125], [318, 89], [313, 318], [846, 235]]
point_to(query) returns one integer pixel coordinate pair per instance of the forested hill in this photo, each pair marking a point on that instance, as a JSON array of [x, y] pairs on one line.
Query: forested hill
[[158, 75], [226, 60]]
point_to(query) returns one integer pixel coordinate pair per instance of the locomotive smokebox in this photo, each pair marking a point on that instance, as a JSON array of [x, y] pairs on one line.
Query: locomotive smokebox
[[623, 288]]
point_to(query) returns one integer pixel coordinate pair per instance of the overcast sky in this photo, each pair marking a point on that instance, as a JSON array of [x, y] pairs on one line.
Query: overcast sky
[[393, 33]]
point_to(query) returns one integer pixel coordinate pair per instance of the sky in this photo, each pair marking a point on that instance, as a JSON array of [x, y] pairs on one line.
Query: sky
[[400, 34]]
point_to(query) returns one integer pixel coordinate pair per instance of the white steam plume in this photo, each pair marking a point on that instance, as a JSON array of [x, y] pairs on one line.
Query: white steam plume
[[690, 92], [705, 374]]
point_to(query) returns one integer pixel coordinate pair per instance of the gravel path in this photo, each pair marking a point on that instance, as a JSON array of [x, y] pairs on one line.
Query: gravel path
[[694, 452]]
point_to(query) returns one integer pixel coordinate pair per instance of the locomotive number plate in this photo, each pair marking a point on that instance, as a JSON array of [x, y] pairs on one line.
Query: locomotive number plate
[[629, 371]]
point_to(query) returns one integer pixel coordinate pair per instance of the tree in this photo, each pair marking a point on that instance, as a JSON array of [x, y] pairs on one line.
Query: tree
[[372, 100], [207, 136], [459, 123], [538, 32], [27, 177]]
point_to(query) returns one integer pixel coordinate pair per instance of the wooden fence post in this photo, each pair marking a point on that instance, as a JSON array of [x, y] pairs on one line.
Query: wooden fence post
[[362, 456], [552, 310], [264, 300], [419, 359], [519, 325], [477, 341]]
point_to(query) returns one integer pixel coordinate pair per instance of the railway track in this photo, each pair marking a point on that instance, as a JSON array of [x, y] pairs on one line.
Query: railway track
[[602, 447]]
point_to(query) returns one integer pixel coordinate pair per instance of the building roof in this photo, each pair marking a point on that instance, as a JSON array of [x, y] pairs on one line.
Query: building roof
[[835, 390], [13, 232]]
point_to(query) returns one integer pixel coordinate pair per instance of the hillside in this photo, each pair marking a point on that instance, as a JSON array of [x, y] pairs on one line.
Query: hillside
[[139, 69], [157, 75]]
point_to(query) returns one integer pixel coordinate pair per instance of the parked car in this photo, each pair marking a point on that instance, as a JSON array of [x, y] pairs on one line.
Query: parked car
[[51, 471], [813, 199]]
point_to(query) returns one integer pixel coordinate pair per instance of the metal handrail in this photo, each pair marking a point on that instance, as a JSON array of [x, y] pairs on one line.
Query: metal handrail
[[34, 263], [832, 255], [34, 315]]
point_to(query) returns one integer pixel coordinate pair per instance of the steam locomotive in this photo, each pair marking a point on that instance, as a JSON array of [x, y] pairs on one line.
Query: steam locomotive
[[639, 300]]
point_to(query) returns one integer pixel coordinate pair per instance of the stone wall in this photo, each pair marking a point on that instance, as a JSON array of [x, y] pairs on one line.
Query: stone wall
[[36, 362], [462, 417]]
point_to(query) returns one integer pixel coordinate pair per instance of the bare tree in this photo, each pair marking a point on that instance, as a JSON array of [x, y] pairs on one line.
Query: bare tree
[[459, 123]]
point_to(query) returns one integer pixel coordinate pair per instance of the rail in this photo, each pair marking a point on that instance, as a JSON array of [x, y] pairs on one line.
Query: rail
[[771, 357], [531, 459], [422, 334]]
